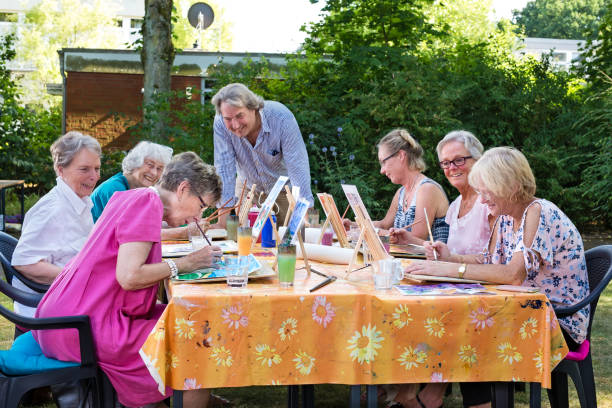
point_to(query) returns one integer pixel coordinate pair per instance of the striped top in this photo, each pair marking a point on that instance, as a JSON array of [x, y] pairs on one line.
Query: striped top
[[404, 217], [278, 151]]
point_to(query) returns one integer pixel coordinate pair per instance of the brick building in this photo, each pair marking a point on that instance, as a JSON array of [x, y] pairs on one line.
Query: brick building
[[103, 89]]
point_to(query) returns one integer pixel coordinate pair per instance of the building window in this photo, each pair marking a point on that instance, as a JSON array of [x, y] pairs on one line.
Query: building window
[[8, 17], [559, 56], [119, 22], [136, 23]]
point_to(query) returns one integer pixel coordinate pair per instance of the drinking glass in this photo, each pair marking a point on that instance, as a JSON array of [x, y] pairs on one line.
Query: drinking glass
[[353, 233], [328, 237], [385, 241], [313, 217], [286, 265], [237, 271], [195, 236], [383, 274], [244, 240], [231, 226]]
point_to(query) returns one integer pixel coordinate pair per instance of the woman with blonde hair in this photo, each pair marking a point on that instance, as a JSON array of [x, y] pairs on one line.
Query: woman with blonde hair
[[401, 160], [533, 243]]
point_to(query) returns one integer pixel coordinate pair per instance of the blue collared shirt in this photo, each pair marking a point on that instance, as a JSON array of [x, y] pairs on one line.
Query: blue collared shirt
[[278, 151]]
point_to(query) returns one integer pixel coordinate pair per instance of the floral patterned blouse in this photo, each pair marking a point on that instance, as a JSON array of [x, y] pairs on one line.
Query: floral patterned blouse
[[559, 271]]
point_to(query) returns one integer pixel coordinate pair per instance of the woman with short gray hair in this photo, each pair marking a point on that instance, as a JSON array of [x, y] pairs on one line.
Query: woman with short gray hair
[[469, 224], [142, 167], [56, 227], [114, 278], [468, 218]]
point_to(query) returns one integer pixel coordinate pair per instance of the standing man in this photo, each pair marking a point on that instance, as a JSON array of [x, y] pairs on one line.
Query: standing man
[[260, 141]]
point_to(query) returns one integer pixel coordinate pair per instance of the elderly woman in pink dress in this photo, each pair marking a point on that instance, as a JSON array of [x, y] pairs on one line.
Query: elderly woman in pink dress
[[114, 278], [533, 243]]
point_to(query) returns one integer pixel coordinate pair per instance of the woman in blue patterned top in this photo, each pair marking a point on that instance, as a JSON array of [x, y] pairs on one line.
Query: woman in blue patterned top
[[401, 160], [533, 243]]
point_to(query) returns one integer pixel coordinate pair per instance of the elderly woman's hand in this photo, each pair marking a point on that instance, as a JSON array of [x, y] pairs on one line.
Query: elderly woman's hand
[[442, 251], [205, 257], [431, 268], [399, 236]]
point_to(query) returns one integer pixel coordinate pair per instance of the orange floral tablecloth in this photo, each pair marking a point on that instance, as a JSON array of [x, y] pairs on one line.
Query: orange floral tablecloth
[[348, 333]]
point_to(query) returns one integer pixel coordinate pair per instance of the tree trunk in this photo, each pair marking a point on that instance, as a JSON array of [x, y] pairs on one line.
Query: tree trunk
[[157, 56]]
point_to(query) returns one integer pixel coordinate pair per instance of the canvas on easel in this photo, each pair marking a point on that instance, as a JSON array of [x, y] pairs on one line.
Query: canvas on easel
[[368, 232], [266, 207], [333, 218], [298, 212]]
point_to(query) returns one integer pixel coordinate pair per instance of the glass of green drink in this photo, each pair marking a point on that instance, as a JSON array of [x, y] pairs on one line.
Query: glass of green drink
[[231, 226], [286, 265]]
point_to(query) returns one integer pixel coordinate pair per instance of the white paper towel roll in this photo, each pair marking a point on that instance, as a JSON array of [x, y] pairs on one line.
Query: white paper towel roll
[[324, 253]]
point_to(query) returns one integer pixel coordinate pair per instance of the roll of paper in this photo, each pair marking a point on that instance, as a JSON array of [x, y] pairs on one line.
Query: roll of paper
[[324, 253]]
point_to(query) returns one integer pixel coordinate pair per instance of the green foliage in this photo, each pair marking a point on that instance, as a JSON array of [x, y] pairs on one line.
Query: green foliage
[[187, 124], [349, 23], [480, 87], [596, 145], [569, 19], [26, 135], [52, 25], [598, 53]]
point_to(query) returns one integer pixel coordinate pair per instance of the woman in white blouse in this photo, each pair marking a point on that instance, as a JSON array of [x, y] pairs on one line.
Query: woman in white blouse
[[56, 227]]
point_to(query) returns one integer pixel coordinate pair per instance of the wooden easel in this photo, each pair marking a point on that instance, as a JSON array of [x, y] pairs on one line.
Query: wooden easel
[[246, 206], [333, 218], [368, 236], [292, 204]]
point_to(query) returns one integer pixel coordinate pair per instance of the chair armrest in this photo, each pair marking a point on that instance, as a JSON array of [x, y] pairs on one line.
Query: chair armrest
[[26, 298], [81, 323]]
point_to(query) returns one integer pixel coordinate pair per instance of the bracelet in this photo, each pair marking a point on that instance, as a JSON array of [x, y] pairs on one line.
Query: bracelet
[[173, 268], [461, 270]]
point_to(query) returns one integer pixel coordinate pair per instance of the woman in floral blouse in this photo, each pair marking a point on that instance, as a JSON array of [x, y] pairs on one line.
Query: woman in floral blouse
[[533, 243]]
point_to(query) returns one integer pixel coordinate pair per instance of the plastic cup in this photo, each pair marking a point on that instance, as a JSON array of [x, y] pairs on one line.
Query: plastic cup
[[237, 271], [244, 240], [231, 226], [286, 265]]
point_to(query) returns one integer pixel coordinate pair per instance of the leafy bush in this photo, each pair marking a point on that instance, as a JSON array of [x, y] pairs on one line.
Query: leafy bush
[[26, 134]]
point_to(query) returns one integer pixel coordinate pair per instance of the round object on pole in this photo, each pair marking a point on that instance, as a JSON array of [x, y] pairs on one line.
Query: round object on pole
[[200, 15]]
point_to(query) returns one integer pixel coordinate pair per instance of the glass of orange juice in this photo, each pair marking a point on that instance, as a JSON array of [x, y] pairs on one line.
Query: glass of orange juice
[[244, 240]]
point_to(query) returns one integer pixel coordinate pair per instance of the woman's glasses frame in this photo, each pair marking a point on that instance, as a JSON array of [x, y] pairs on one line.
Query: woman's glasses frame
[[458, 162]]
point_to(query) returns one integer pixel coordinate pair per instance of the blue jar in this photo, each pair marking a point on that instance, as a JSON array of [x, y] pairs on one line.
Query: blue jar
[[267, 234]]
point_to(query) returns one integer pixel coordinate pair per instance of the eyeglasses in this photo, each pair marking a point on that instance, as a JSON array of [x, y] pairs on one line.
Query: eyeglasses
[[458, 162], [382, 162], [203, 204]]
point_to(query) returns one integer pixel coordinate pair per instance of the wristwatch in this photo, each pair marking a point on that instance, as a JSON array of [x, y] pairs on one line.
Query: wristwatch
[[461, 270]]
